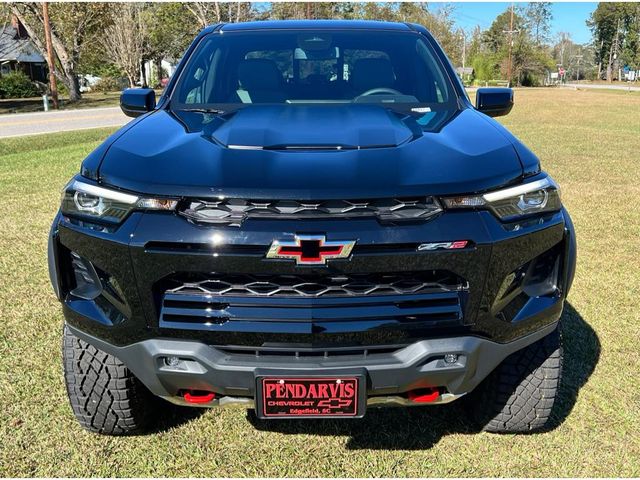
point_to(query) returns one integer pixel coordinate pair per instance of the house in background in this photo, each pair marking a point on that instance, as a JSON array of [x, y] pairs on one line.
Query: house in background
[[149, 70], [17, 52]]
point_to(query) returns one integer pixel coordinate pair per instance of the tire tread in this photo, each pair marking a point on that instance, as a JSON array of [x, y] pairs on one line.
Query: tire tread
[[520, 393], [104, 394]]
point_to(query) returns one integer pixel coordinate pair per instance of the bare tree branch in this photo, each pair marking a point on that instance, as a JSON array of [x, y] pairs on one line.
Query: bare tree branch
[[125, 41]]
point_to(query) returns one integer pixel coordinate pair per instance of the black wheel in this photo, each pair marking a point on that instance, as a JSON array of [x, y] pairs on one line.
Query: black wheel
[[104, 395], [519, 394]]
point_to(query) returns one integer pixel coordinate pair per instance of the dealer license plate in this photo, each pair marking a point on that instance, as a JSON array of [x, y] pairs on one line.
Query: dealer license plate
[[299, 397]]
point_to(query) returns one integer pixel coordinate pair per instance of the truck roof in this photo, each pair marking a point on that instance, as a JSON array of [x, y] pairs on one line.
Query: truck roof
[[303, 24]]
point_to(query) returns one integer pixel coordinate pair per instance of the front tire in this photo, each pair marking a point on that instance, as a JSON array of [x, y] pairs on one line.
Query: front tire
[[105, 396], [520, 393]]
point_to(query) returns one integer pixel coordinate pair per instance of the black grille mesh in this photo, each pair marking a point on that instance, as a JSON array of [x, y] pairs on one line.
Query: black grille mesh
[[233, 211], [321, 286]]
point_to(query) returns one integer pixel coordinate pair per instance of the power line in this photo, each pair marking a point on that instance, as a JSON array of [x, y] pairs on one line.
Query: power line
[[484, 23]]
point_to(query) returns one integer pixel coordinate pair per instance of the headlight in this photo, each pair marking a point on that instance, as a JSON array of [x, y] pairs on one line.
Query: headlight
[[511, 203], [106, 205]]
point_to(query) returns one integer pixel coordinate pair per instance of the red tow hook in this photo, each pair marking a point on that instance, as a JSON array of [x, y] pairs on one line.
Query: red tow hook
[[424, 395], [198, 396]]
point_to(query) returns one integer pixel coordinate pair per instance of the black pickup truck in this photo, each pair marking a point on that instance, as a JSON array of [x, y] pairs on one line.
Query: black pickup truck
[[311, 221]]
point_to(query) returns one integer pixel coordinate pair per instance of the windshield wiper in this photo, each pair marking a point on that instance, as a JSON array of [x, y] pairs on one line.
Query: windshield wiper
[[203, 110]]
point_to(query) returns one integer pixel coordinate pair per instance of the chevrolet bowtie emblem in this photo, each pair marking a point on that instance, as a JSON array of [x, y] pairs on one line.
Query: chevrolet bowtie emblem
[[310, 249]]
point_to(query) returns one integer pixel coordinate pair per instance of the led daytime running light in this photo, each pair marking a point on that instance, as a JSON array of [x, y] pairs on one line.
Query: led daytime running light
[[103, 192], [518, 190]]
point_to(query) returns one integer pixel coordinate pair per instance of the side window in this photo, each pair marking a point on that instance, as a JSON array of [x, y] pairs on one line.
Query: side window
[[195, 94], [436, 91], [200, 77]]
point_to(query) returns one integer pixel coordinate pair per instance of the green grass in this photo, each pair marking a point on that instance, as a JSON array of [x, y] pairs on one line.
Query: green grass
[[588, 140], [88, 100]]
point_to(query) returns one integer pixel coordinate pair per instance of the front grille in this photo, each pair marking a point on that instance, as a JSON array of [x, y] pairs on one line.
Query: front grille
[[319, 286], [306, 303], [297, 352], [233, 211]]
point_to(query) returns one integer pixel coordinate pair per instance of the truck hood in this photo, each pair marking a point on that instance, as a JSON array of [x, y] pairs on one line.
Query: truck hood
[[319, 127], [311, 152]]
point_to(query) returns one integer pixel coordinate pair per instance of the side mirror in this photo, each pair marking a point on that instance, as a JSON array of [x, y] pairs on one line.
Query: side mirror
[[494, 102], [137, 101]]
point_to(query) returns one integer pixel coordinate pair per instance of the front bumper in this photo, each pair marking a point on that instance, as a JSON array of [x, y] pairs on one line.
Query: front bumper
[[233, 377], [493, 321]]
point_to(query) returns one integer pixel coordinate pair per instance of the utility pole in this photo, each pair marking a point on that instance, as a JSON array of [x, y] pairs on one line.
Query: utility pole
[[463, 35], [511, 31], [50, 60], [464, 49]]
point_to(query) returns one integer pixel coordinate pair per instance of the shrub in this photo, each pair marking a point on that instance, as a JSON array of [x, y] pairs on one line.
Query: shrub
[[484, 68], [529, 79], [63, 91], [109, 84], [17, 85]]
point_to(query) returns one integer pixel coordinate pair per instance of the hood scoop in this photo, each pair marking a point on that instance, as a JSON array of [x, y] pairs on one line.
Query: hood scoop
[[315, 148], [316, 127]]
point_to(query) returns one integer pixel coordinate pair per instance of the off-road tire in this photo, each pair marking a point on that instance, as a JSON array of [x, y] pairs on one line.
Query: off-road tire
[[105, 396], [519, 394]]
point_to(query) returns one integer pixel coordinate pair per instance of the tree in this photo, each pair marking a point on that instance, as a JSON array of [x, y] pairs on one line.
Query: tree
[[125, 40], [72, 25], [167, 34], [205, 13], [502, 35], [474, 46], [496, 38], [630, 55], [209, 13], [4, 24], [485, 67], [575, 58], [439, 22], [538, 18], [562, 50], [529, 61], [615, 27]]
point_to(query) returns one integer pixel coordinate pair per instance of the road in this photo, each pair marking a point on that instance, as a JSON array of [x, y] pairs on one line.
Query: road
[[19, 124], [602, 86]]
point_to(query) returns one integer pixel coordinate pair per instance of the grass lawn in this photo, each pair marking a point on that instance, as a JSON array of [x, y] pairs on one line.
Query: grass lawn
[[89, 100], [588, 140]]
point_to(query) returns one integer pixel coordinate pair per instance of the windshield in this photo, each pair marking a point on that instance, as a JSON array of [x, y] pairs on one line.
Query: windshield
[[232, 70]]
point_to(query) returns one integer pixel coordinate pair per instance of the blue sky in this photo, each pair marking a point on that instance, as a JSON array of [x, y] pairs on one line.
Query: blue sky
[[567, 16]]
